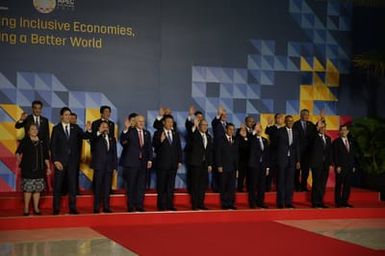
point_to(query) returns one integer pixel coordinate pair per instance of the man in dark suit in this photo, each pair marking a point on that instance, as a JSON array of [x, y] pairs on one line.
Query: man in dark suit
[[272, 130], [158, 122], [189, 125], [244, 150], [168, 149], [344, 164], [226, 155], [306, 131], [105, 114], [200, 160], [135, 159], [219, 129], [259, 166], [65, 156], [74, 120], [105, 163], [321, 156], [35, 118], [288, 159]]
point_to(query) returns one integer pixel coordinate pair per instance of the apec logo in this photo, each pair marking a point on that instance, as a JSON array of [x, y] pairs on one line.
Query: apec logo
[[48, 6]]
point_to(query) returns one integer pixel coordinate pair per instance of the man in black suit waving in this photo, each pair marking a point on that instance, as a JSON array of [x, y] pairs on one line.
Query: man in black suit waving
[[259, 167], [321, 156], [288, 158], [105, 114], [135, 159], [227, 161], [344, 165], [168, 149], [36, 118], [105, 163], [65, 156], [200, 160]]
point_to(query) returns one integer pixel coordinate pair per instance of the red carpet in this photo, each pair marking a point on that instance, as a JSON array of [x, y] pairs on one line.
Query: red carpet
[[255, 238]]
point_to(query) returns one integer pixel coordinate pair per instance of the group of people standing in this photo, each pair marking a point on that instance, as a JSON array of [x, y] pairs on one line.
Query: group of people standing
[[235, 158]]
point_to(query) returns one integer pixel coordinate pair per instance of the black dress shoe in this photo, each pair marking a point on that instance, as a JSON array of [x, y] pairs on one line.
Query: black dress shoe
[[56, 212], [252, 206], [324, 206], [107, 211], [173, 209], [232, 207], [290, 206], [36, 212], [25, 213], [96, 211], [140, 209], [194, 208], [161, 209], [203, 208], [348, 205], [280, 206], [263, 206], [74, 212], [225, 208], [131, 209]]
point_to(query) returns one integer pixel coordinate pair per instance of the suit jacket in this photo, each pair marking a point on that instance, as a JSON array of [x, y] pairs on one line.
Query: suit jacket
[[305, 136], [321, 154], [258, 156], [104, 157], [67, 150], [198, 154], [43, 128], [243, 150], [218, 129], [96, 124], [133, 155], [283, 147], [341, 156], [272, 132], [167, 155], [227, 154]]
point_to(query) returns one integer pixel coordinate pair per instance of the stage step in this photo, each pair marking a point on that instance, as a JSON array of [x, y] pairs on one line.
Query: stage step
[[14, 201]]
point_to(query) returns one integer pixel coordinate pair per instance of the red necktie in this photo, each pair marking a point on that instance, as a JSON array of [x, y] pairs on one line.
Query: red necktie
[[347, 145], [140, 138]]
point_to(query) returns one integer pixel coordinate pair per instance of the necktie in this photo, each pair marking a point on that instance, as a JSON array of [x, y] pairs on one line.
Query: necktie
[[204, 140], [169, 137], [67, 131], [290, 132], [37, 122], [346, 142], [261, 143], [140, 138], [230, 140], [107, 142], [304, 125]]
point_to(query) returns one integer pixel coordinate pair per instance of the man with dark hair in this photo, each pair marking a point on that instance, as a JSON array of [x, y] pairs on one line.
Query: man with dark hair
[[105, 163], [321, 157], [168, 149], [344, 166], [226, 155], [65, 156], [193, 116], [288, 160], [136, 159], [36, 118], [105, 114], [306, 131], [272, 130], [200, 161]]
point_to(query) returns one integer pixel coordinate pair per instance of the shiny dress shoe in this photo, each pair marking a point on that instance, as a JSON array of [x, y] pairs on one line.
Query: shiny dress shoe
[[131, 209], [263, 206], [96, 211], [107, 211], [232, 207], [25, 213], [173, 209], [290, 206], [140, 209], [203, 208], [74, 212], [56, 212], [36, 212]]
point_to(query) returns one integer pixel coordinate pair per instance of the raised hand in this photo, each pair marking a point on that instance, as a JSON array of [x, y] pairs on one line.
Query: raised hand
[[88, 125], [221, 110], [191, 110], [161, 111], [270, 121], [162, 137], [23, 116], [127, 123]]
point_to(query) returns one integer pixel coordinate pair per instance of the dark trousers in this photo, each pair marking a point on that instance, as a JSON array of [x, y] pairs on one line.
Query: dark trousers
[[215, 180], [285, 182], [135, 185], [320, 177], [199, 183], [242, 173], [342, 188], [256, 181], [188, 178], [271, 178], [65, 177], [302, 175], [102, 186], [227, 188], [165, 183]]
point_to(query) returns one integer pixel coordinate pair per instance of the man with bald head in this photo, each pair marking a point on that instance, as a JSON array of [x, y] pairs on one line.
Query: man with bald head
[[135, 159]]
